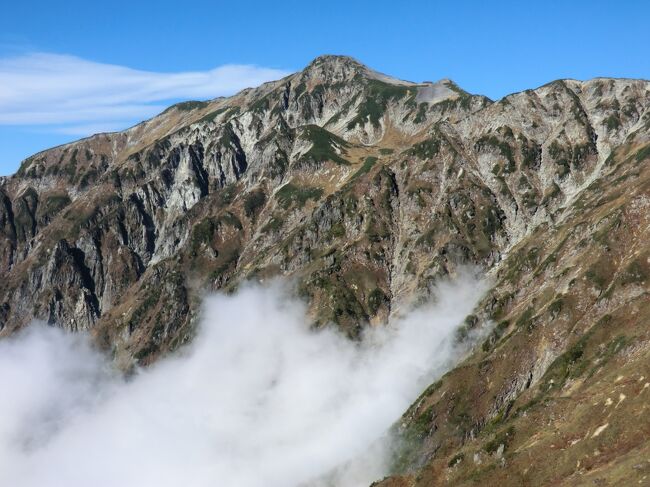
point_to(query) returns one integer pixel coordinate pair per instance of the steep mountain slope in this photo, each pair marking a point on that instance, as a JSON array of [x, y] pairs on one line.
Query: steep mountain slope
[[563, 376], [366, 190]]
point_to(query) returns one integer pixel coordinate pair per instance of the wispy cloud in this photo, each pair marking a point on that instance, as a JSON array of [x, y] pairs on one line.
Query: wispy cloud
[[71, 95]]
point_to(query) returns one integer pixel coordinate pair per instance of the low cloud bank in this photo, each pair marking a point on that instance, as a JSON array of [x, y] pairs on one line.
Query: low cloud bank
[[257, 399]]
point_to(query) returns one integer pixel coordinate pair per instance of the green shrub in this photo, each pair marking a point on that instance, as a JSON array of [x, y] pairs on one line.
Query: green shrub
[[598, 275], [337, 230], [456, 459], [555, 308], [643, 154], [503, 438], [426, 149], [274, 224], [375, 299], [568, 365], [291, 194], [323, 145], [377, 99], [635, 273], [612, 122], [253, 202], [526, 319], [202, 233], [367, 166], [55, 203]]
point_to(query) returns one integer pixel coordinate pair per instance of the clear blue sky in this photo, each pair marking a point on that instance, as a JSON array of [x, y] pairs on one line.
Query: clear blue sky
[[492, 48]]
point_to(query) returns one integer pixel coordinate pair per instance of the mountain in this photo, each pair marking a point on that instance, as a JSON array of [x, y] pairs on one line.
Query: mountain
[[366, 190]]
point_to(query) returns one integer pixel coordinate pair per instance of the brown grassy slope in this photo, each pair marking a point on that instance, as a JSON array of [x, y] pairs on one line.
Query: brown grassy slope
[[558, 394]]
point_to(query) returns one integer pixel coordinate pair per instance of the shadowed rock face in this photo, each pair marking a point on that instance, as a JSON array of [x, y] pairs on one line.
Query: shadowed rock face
[[366, 190]]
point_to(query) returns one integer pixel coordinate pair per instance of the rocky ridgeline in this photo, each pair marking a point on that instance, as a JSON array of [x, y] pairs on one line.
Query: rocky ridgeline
[[367, 190]]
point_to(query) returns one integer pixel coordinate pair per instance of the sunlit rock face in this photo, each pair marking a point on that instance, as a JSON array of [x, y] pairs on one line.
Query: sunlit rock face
[[365, 191]]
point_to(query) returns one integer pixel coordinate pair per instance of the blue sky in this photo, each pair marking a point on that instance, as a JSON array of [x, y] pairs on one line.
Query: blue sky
[[68, 69]]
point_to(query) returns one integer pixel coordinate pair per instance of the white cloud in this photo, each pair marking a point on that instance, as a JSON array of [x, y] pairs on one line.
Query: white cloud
[[256, 400], [56, 90]]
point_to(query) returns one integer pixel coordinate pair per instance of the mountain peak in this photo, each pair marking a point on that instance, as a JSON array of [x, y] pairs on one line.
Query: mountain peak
[[334, 59], [334, 68], [339, 68]]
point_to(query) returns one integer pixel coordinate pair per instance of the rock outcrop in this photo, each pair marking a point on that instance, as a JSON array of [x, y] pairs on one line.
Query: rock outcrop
[[366, 190]]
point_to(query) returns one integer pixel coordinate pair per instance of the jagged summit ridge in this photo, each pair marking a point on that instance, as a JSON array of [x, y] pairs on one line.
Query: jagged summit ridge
[[337, 68]]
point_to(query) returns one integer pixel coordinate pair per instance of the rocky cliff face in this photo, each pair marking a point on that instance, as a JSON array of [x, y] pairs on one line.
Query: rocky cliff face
[[366, 190]]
